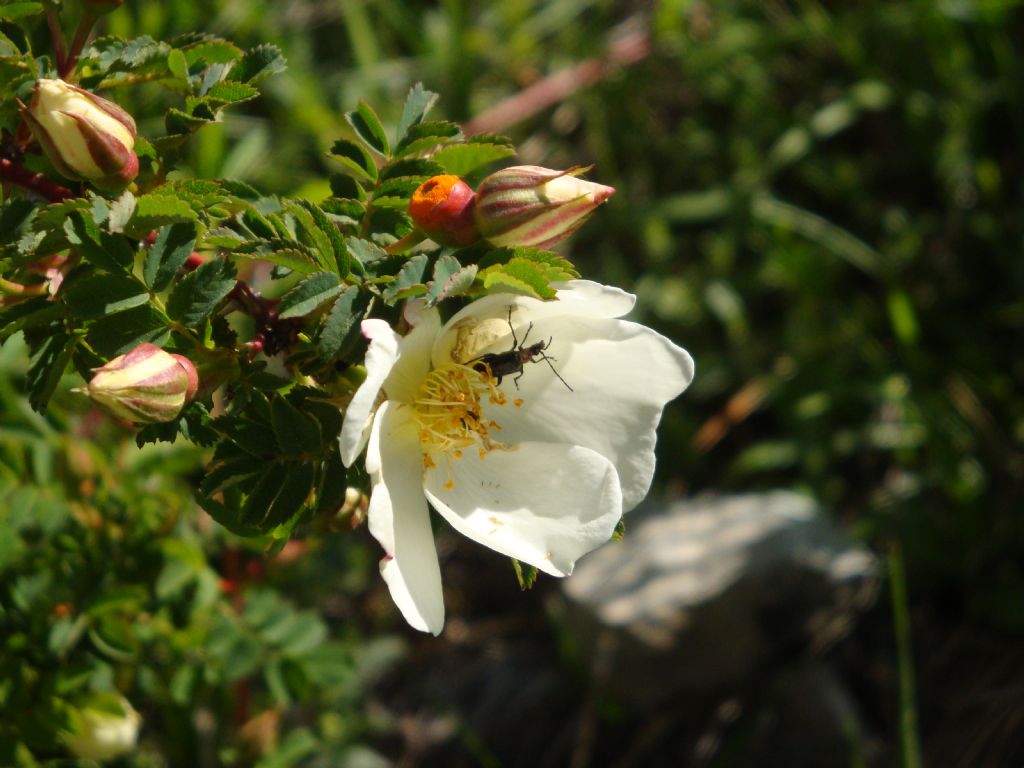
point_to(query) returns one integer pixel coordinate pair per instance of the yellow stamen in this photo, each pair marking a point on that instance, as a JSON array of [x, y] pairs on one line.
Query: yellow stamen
[[448, 410]]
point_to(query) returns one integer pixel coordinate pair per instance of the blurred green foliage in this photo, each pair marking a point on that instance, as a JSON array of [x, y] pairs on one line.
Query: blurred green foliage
[[110, 580]]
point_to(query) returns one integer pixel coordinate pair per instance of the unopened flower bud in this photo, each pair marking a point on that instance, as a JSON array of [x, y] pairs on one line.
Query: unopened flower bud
[[443, 208], [527, 205], [145, 385], [104, 730], [86, 137]]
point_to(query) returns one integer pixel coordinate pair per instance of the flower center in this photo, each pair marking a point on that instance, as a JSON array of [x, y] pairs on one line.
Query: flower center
[[449, 410]]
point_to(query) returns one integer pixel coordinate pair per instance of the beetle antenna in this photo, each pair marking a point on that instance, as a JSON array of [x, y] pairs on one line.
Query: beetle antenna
[[548, 360]]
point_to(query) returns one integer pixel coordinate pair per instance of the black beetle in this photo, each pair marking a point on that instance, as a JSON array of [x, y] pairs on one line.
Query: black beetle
[[501, 364]]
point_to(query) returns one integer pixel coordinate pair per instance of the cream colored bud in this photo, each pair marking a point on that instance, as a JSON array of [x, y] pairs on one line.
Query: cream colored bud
[[527, 205], [105, 731], [85, 136], [145, 385]]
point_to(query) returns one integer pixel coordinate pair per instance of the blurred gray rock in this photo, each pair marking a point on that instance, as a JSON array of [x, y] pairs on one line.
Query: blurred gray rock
[[702, 594]]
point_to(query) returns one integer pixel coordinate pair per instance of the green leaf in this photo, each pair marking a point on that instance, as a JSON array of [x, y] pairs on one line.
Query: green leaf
[[258, 224], [262, 61], [425, 136], [173, 245], [463, 159], [394, 203], [367, 125], [15, 218], [310, 293], [156, 210], [344, 186], [114, 637], [295, 431], [178, 66], [82, 232], [312, 235], [340, 330], [409, 281], [223, 473], [450, 279], [227, 92], [117, 334], [330, 496], [412, 167], [355, 159], [99, 295], [14, 11], [417, 104], [220, 237], [179, 123], [48, 365], [212, 50], [527, 576], [517, 276], [252, 436], [261, 499], [364, 250], [288, 256], [491, 138], [400, 187], [28, 314], [200, 292], [619, 534], [338, 251]]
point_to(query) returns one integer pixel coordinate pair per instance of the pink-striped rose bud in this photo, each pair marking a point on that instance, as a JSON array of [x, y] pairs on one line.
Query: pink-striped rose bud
[[86, 137], [145, 385], [527, 205], [442, 207]]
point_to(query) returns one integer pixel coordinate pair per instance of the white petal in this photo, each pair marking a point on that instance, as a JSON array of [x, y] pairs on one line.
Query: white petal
[[545, 504], [380, 358], [483, 326], [622, 374], [413, 353], [400, 520]]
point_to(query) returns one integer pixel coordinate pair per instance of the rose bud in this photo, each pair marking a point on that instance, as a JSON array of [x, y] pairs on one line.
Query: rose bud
[[106, 729], [527, 205], [86, 137], [442, 207], [145, 385]]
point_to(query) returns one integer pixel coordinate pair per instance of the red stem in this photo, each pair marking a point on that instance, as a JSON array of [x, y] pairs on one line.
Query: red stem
[[81, 35], [16, 174], [56, 36]]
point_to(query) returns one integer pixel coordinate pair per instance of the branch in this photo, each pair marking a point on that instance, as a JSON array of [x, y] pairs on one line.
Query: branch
[[13, 173], [627, 47]]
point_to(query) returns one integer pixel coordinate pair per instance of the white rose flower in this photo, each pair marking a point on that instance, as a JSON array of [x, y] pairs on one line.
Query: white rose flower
[[107, 732], [540, 466]]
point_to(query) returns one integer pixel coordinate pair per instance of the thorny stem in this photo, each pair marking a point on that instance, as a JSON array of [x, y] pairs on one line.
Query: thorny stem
[[273, 334], [56, 35], [16, 174]]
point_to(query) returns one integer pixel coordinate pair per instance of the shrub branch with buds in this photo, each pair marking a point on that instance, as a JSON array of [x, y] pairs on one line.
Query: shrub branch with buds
[[262, 328]]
